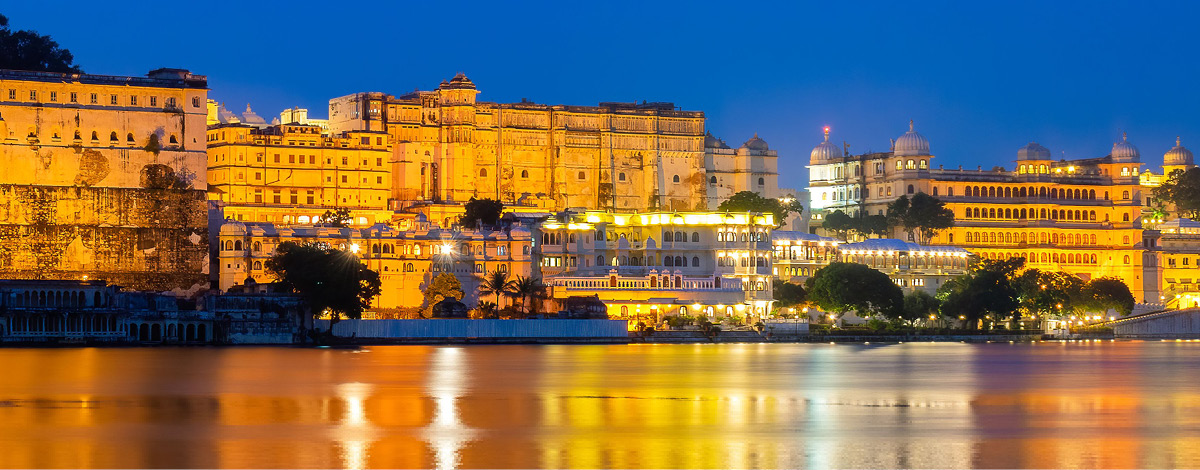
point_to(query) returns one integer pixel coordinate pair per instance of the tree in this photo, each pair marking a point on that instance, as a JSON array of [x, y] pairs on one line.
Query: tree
[[1103, 293], [750, 201], [919, 305], [787, 294], [28, 50], [988, 289], [442, 286], [1048, 292], [867, 225], [922, 216], [842, 287], [337, 217], [839, 223], [527, 288], [328, 280], [495, 283], [1182, 190], [486, 211]]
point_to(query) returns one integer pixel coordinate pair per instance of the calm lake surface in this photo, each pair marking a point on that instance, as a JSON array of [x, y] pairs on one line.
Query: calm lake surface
[[946, 405]]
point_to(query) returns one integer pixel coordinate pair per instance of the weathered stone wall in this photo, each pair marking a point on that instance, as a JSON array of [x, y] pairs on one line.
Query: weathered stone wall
[[153, 239]]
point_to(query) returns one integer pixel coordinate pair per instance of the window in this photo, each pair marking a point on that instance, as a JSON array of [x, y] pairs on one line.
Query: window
[[762, 181], [712, 180], [132, 100], [524, 173], [112, 99], [621, 176], [483, 172], [129, 137], [582, 175], [910, 189], [675, 179], [12, 94], [195, 101], [95, 98], [54, 96]]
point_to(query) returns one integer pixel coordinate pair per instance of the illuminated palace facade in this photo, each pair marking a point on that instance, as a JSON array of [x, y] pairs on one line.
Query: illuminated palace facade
[[653, 264], [1079, 216], [104, 178], [292, 174], [448, 148], [407, 255]]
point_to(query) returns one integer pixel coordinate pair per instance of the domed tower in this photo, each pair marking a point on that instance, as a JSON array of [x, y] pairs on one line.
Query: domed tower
[[825, 152], [911, 144], [1125, 152], [1178, 158], [756, 144], [1033, 159]]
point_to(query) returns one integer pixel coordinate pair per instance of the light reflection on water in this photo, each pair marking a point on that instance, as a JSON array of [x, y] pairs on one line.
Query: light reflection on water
[[948, 405]]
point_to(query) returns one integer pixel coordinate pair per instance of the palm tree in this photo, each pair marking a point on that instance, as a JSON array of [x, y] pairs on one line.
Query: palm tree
[[495, 283], [526, 288]]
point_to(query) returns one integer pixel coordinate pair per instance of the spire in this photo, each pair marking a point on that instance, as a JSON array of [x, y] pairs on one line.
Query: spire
[[1177, 144], [910, 125], [1124, 137], [827, 133]]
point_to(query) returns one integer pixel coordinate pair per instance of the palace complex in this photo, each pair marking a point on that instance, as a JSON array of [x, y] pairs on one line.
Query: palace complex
[[107, 179], [104, 177], [1084, 216]]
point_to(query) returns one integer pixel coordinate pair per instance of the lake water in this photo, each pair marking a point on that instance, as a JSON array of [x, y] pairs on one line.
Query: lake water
[[946, 405]]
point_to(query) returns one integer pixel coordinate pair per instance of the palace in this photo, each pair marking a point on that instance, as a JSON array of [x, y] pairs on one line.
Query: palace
[[104, 178], [292, 174], [407, 255], [448, 147], [648, 265], [1080, 216]]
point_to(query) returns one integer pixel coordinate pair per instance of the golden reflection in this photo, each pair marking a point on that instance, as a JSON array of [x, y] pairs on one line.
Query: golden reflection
[[1108, 405], [447, 381]]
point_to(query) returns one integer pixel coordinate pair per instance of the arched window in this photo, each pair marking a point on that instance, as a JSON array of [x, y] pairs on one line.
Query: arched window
[[899, 164], [173, 139], [668, 236], [524, 173], [621, 176], [599, 260], [258, 265], [675, 179], [761, 181], [257, 246], [910, 189], [1126, 259], [680, 261], [95, 136], [711, 180], [1125, 217], [680, 237], [695, 261], [113, 136], [668, 261], [1124, 194], [581, 175], [695, 237], [129, 138], [935, 191], [483, 172]]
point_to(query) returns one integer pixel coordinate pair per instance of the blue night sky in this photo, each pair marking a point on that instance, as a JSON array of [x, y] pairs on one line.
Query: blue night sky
[[981, 80]]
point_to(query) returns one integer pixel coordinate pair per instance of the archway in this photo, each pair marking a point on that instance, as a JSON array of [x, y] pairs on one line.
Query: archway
[[200, 336], [156, 332], [191, 332]]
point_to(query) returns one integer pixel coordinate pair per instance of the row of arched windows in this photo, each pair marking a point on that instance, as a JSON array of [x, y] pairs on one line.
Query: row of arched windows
[[731, 262], [1021, 214], [1060, 258], [1041, 238], [680, 236], [55, 299], [1026, 192]]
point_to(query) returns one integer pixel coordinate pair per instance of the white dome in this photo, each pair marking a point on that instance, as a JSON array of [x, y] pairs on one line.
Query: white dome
[[1033, 151], [1178, 155], [824, 152], [911, 144], [1125, 152]]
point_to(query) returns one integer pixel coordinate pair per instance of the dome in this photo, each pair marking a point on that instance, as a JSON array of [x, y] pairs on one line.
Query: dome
[[1178, 155], [825, 151], [711, 142], [911, 143], [1124, 152], [252, 118], [755, 143], [1033, 151]]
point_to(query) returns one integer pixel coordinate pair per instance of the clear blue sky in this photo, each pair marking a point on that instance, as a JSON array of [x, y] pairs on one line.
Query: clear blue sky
[[981, 80]]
